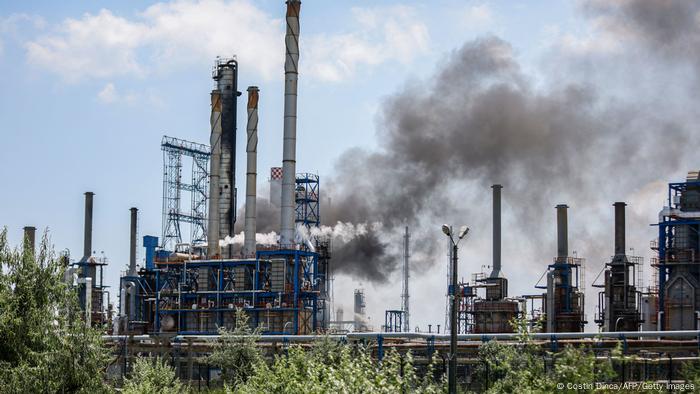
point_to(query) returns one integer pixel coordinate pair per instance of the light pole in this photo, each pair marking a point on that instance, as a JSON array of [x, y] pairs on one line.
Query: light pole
[[452, 377]]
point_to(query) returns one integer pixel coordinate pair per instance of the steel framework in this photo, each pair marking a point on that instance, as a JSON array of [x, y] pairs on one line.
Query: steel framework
[[306, 196], [198, 187]]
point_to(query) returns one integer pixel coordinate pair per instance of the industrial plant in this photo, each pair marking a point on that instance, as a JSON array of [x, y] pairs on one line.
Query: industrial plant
[[197, 274]]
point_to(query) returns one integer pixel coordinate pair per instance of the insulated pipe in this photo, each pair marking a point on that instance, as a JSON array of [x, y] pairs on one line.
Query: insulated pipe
[[87, 243], [620, 228], [214, 174], [291, 71], [132, 241], [496, 271], [562, 233], [251, 173], [29, 238]]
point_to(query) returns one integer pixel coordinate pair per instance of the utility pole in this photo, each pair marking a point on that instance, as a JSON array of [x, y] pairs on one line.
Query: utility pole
[[405, 295], [454, 298], [452, 383]]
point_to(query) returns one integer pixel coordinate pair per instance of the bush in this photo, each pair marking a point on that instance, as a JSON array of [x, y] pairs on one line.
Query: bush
[[152, 377], [345, 370]]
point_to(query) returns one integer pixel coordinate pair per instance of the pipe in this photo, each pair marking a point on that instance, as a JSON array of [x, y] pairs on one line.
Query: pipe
[[30, 239], [496, 271], [132, 241], [87, 241], [291, 71], [249, 244], [620, 228], [562, 234], [438, 337]]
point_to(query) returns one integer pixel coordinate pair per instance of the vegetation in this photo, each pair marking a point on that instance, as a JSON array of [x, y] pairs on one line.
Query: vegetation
[[236, 352], [45, 345], [152, 377]]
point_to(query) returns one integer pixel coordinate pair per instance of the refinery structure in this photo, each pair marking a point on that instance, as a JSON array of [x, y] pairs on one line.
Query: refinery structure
[[195, 277]]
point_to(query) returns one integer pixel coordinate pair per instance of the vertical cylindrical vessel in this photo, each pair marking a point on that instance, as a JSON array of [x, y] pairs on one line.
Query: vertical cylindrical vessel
[[251, 172], [562, 233], [496, 271], [620, 228], [291, 72], [132, 241], [30, 238]]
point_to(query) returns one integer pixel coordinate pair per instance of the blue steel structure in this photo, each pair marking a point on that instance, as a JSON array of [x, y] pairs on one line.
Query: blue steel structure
[[678, 246], [279, 290], [306, 196]]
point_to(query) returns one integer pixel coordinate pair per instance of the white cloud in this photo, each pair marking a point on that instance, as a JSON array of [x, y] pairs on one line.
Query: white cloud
[[185, 32], [108, 94], [164, 35], [478, 16], [11, 25], [384, 34]]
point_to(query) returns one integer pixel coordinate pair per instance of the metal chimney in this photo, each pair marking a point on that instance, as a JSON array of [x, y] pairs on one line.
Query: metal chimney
[[251, 149], [291, 71], [87, 242], [30, 238], [214, 174], [562, 233], [132, 241], [496, 270], [620, 228]]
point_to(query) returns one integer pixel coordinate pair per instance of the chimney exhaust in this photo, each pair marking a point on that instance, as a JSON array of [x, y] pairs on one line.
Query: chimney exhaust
[[291, 72], [562, 233], [496, 271], [249, 244], [29, 239], [132, 243], [620, 228]]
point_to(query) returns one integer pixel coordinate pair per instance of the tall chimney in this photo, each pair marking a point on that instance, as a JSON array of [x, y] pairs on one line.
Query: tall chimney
[[87, 242], [251, 149], [562, 233], [620, 228], [215, 163], [30, 238], [222, 187], [291, 71], [496, 271], [132, 241]]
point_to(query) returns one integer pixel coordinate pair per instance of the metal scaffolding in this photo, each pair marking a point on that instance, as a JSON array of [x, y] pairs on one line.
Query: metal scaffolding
[[198, 187]]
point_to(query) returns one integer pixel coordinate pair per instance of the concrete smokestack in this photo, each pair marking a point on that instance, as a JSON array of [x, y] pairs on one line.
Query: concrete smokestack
[[132, 241], [496, 271], [87, 240], [562, 233], [291, 72], [30, 238], [620, 228], [251, 149]]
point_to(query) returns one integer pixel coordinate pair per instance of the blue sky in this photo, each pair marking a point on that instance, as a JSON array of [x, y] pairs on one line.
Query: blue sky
[[87, 90]]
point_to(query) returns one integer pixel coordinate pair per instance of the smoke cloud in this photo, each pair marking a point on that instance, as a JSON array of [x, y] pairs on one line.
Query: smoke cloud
[[481, 120]]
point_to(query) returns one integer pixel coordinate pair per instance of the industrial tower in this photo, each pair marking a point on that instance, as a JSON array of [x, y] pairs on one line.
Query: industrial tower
[[174, 150]]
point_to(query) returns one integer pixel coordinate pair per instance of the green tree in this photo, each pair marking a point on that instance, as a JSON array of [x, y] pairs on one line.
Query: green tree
[[45, 345], [152, 376], [236, 352]]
